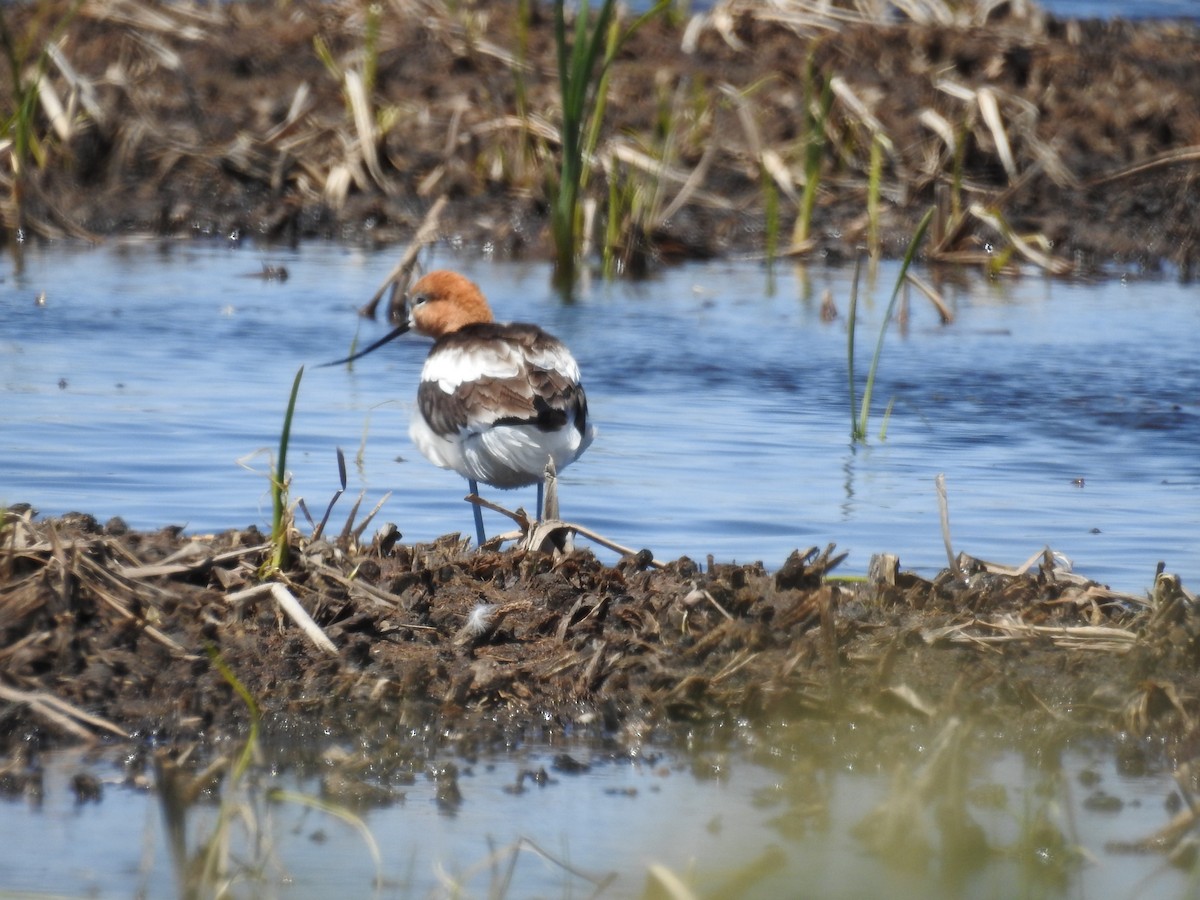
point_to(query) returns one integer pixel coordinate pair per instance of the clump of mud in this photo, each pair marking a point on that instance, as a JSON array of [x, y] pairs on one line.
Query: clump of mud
[[113, 635]]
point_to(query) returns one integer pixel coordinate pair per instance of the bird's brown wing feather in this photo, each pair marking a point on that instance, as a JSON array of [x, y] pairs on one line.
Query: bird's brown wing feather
[[543, 395]]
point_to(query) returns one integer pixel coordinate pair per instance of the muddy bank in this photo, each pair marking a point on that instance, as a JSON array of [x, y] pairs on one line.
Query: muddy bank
[[416, 651], [1066, 146]]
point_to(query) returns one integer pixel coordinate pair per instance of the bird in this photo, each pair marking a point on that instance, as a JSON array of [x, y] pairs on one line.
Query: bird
[[496, 401]]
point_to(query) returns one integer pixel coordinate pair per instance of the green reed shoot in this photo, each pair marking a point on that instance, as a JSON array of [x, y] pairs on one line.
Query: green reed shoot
[[582, 68], [887, 417], [371, 45], [21, 121], [874, 177], [960, 152], [858, 428], [818, 94], [620, 211], [591, 136], [575, 66], [852, 322], [770, 193], [279, 523]]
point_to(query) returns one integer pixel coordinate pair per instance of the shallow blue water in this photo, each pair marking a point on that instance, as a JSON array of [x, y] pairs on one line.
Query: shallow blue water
[[703, 820], [151, 384], [1125, 9]]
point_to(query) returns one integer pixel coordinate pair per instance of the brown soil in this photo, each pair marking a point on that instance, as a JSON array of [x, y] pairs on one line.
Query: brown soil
[[182, 127], [108, 634]]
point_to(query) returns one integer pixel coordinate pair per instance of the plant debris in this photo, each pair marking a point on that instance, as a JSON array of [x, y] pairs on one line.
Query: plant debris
[[1066, 146], [107, 632]]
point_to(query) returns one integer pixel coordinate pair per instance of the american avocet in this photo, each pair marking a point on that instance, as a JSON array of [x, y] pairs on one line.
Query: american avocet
[[495, 401]]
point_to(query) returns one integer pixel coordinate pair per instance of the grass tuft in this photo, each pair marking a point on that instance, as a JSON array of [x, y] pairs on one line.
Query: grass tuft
[[280, 523], [583, 65], [27, 58]]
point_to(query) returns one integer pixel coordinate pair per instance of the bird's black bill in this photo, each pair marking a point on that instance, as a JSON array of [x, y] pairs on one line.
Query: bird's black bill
[[394, 333]]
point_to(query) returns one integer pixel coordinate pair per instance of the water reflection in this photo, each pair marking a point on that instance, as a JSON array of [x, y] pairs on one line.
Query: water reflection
[[950, 816]]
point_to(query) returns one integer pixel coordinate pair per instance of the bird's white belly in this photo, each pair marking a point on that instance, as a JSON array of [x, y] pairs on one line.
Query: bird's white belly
[[503, 456]]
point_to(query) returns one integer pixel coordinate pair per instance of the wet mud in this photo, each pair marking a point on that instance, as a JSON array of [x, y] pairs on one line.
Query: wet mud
[[415, 652]]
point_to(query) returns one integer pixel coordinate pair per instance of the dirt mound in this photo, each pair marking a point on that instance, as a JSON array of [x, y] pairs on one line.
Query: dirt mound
[[150, 637]]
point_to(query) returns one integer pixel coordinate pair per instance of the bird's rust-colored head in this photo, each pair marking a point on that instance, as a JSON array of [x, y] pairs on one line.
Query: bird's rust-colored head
[[439, 303], [443, 302]]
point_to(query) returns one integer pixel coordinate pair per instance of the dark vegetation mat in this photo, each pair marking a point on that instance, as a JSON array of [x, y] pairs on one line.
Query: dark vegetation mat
[[1065, 145], [112, 635]]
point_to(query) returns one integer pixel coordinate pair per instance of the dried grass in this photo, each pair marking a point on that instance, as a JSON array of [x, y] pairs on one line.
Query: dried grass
[[358, 136]]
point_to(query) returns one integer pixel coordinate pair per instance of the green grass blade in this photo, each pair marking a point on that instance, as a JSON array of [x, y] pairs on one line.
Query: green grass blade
[[279, 482], [874, 177], [251, 747], [771, 213], [371, 46], [815, 121], [887, 417], [909, 255], [853, 320]]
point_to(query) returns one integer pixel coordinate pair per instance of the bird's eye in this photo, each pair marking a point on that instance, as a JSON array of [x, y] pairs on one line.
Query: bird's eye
[[419, 299]]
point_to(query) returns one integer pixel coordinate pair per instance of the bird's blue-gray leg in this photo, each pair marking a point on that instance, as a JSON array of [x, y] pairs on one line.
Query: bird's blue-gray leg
[[539, 504], [478, 512]]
